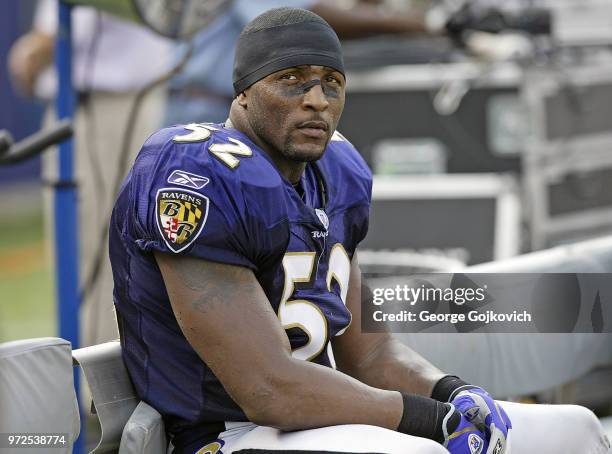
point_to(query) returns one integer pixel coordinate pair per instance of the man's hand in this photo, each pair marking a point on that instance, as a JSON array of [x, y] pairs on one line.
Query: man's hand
[[465, 438], [29, 56], [481, 410]]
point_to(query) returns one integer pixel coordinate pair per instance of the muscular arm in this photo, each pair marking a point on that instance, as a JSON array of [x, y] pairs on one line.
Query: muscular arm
[[228, 320], [377, 358]]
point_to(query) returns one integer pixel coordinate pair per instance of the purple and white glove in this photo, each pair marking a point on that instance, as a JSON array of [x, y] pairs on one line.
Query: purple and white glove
[[479, 408], [485, 413], [465, 438]]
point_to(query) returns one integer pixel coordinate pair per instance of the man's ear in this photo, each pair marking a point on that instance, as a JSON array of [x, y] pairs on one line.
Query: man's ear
[[242, 99]]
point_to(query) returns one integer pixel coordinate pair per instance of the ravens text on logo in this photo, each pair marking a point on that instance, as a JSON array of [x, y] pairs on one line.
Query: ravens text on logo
[[181, 215]]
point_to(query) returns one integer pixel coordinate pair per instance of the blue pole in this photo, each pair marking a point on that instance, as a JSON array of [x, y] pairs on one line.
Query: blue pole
[[65, 222]]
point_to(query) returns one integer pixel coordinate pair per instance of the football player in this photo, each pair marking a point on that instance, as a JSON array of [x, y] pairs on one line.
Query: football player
[[238, 289]]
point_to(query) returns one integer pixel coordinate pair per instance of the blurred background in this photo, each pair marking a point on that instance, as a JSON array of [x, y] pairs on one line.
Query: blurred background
[[487, 124], [25, 275]]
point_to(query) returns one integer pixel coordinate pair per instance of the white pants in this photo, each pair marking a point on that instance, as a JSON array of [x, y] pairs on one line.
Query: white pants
[[538, 429]]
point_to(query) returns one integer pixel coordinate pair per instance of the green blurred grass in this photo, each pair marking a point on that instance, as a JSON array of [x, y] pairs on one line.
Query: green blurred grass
[[22, 229], [27, 307]]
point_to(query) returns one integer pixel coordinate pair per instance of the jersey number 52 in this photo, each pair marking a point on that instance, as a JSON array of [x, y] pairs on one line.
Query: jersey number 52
[[304, 314]]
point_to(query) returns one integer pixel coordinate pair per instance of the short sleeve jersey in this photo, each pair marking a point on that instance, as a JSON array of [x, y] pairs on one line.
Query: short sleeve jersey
[[207, 191]]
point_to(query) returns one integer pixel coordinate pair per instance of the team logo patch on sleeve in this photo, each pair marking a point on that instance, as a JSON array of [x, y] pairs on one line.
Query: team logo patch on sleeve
[[181, 215]]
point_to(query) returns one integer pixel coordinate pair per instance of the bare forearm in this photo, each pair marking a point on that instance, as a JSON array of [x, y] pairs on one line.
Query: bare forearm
[[392, 365], [327, 397], [365, 20]]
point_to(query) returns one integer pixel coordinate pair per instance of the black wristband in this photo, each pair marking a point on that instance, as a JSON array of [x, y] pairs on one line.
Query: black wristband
[[423, 417], [446, 387]]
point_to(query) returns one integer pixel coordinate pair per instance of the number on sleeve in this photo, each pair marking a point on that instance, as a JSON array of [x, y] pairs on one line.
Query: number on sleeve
[[225, 152], [199, 133]]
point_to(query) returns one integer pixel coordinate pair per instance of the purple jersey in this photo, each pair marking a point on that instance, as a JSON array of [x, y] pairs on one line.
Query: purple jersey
[[208, 191]]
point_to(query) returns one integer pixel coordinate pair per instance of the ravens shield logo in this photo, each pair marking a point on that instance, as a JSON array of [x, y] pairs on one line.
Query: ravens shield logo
[[181, 215]]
